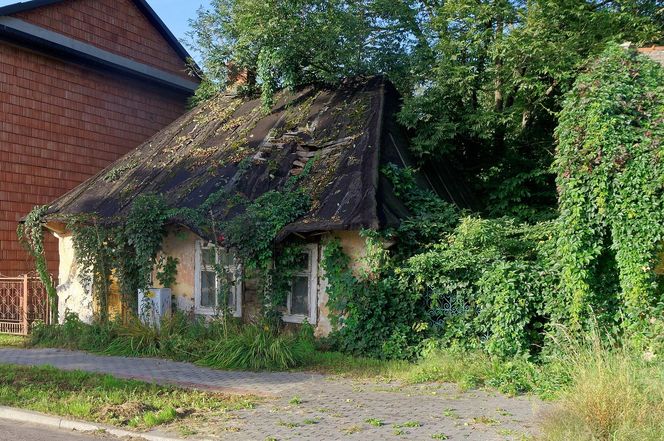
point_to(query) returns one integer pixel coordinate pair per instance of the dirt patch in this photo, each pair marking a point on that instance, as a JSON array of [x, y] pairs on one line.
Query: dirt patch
[[125, 412]]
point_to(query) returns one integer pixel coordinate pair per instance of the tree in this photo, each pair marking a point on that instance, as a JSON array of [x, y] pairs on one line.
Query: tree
[[482, 80], [501, 69], [286, 43]]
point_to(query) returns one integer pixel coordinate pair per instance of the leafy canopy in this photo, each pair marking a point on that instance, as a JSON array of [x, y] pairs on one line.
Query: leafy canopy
[[286, 43]]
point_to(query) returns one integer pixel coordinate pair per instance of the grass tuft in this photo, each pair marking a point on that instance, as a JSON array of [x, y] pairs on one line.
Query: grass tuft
[[12, 341]]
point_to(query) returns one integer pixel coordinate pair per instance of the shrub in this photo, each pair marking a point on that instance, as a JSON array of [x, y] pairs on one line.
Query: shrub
[[487, 285]]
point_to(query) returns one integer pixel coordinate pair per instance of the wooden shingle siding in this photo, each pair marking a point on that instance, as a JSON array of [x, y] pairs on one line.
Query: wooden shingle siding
[[61, 123], [117, 26]]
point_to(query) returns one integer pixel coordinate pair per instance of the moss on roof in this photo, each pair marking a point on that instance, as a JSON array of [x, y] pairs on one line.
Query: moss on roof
[[231, 145]]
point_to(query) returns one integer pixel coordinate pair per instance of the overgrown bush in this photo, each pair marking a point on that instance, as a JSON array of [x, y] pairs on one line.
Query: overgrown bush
[[486, 285], [451, 279], [611, 191]]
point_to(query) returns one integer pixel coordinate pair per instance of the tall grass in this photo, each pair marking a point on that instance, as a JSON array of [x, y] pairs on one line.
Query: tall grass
[[258, 348], [217, 343], [615, 394]]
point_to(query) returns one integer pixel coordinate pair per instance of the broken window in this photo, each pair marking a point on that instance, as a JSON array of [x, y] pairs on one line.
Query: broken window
[[302, 301]]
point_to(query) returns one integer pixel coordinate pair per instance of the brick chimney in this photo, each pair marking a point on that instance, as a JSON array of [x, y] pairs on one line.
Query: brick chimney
[[238, 76], [654, 52]]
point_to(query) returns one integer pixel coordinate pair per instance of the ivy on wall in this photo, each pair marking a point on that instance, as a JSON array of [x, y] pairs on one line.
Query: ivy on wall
[[251, 235], [370, 315], [126, 250], [611, 187], [31, 235]]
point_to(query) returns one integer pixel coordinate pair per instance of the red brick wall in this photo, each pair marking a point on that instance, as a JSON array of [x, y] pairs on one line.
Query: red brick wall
[[59, 124], [114, 25]]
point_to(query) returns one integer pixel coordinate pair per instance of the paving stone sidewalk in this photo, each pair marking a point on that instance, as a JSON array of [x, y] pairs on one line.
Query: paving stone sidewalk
[[325, 408]]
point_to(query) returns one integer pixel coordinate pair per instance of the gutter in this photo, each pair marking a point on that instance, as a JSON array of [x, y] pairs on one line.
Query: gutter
[[42, 39]]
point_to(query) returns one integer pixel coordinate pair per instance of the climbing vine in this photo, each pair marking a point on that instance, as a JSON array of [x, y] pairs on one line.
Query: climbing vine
[[31, 235], [611, 187], [369, 313], [94, 258], [124, 250], [167, 270], [252, 233], [431, 217]]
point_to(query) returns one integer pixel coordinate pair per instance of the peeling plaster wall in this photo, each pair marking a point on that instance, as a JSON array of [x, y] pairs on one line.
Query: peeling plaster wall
[[72, 296], [181, 244]]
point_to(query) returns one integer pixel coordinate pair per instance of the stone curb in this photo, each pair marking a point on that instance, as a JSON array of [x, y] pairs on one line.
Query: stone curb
[[27, 416]]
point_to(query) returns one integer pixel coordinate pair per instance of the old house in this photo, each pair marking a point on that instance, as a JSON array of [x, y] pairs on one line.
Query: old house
[[335, 140], [82, 82]]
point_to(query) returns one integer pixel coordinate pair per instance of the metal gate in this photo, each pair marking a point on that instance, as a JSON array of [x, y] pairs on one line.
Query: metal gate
[[23, 300]]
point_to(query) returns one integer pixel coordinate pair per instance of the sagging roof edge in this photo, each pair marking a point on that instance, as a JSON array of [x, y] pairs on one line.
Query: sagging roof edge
[[57, 223]]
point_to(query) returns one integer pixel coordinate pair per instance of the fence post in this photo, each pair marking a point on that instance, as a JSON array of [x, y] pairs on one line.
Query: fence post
[[25, 303]]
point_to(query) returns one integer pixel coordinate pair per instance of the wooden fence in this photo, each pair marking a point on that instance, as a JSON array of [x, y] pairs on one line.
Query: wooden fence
[[23, 301]]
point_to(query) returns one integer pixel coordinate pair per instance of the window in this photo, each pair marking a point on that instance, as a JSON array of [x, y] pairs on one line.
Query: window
[[209, 284], [302, 301]]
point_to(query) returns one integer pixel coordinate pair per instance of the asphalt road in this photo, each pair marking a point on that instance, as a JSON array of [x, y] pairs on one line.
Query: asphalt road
[[16, 431]]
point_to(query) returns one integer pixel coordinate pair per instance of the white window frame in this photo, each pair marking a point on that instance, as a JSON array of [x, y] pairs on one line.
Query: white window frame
[[312, 274], [198, 268]]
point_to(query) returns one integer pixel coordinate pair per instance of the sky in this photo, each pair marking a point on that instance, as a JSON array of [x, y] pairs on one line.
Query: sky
[[175, 13]]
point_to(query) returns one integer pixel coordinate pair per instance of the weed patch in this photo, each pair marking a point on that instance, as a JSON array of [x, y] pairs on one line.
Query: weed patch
[[106, 399], [614, 396], [13, 341]]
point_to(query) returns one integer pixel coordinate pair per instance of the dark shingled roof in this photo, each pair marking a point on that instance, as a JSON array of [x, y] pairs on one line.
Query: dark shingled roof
[[349, 132]]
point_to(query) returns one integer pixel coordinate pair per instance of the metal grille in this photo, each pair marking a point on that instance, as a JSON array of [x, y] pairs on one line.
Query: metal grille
[[444, 305], [23, 300]]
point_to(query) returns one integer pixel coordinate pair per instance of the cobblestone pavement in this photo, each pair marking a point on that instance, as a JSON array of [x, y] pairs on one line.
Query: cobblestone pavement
[[301, 406]]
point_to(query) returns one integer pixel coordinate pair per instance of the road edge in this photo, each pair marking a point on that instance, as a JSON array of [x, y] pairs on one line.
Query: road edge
[[29, 416]]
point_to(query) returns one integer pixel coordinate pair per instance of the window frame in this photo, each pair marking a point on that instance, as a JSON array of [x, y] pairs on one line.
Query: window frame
[[236, 290], [312, 273]]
